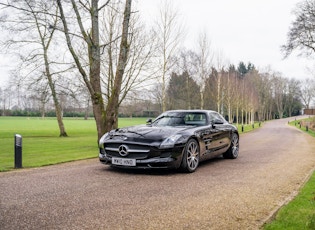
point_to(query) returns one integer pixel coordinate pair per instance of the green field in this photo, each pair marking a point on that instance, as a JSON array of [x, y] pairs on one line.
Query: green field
[[42, 144], [299, 213]]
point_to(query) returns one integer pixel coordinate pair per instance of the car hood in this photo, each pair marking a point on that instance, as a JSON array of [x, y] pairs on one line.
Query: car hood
[[145, 133]]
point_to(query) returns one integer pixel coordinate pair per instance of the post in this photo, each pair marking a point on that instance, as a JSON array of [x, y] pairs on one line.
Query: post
[[17, 151]]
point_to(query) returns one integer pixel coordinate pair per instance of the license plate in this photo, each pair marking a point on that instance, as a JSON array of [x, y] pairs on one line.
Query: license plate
[[123, 161]]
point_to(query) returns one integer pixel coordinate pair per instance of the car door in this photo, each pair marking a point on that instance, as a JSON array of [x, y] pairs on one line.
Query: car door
[[220, 133], [210, 135]]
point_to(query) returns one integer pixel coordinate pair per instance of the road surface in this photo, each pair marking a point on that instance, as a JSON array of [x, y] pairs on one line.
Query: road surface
[[273, 163]]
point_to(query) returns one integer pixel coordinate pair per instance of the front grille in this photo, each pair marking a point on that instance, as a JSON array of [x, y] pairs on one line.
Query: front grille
[[135, 151]]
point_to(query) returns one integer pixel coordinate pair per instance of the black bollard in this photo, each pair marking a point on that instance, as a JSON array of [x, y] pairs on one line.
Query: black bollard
[[17, 151]]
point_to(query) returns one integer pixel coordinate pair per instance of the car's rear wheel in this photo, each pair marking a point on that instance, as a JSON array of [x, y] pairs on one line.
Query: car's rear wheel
[[191, 156], [232, 152]]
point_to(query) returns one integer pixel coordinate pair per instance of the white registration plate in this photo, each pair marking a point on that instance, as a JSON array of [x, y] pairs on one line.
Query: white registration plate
[[123, 161]]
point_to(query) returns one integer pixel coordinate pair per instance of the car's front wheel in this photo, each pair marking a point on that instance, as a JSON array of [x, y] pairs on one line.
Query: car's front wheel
[[191, 156], [232, 152]]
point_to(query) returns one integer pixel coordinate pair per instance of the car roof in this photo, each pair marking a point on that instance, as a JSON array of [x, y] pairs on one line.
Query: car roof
[[190, 110]]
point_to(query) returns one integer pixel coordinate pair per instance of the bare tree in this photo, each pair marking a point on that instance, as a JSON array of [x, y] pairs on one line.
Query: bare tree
[[301, 37], [5, 99], [301, 34], [169, 32], [279, 91], [219, 81], [230, 95], [106, 118], [138, 71], [252, 95], [205, 64], [237, 100], [307, 92], [31, 21], [41, 94]]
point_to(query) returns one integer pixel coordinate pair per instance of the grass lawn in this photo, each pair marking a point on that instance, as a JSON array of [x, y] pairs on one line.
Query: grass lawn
[[41, 144], [303, 128], [248, 128], [300, 212]]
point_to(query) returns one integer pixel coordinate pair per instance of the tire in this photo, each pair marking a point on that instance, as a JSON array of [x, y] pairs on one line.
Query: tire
[[191, 156], [232, 152]]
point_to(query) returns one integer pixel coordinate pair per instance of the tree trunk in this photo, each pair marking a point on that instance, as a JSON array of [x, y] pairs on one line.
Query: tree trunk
[[111, 115], [95, 71], [86, 112], [188, 100], [62, 130], [218, 92], [237, 116], [242, 116], [202, 101]]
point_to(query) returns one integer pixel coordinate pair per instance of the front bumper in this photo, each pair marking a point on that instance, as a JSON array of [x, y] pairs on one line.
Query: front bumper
[[172, 161]]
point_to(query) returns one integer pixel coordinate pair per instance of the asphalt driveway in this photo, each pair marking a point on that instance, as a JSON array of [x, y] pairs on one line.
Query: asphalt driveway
[[273, 163]]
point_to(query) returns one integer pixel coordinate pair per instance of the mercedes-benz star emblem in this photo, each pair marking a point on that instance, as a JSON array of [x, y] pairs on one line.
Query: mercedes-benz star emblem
[[123, 150]]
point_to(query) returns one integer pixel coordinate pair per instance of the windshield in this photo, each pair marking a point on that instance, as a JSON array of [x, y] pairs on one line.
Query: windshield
[[181, 119]]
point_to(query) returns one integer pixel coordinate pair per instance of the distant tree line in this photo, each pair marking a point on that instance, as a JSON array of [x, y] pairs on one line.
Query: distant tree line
[[240, 94], [36, 113]]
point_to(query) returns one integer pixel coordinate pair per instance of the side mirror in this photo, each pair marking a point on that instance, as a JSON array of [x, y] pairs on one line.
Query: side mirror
[[149, 121], [216, 122]]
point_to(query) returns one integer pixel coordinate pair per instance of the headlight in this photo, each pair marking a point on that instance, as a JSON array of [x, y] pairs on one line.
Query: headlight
[[170, 141], [103, 138]]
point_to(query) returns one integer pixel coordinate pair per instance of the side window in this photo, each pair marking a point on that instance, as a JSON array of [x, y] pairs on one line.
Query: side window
[[211, 116], [195, 119], [216, 117]]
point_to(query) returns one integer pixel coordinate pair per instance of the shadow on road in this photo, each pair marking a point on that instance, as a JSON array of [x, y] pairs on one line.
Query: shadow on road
[[158, 172]]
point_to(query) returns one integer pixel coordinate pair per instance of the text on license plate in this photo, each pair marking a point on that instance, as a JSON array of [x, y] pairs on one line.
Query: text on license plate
[[123, 161]]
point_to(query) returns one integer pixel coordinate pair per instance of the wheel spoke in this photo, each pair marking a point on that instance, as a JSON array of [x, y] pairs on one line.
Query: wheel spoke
[[192, 156], [192, 163], [235, 145]]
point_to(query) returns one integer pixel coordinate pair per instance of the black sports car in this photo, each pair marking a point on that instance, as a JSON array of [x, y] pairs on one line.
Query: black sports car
[[175, 139]]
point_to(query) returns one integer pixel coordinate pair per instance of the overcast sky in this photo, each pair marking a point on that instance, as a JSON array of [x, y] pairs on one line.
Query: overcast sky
[[243, 30]]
